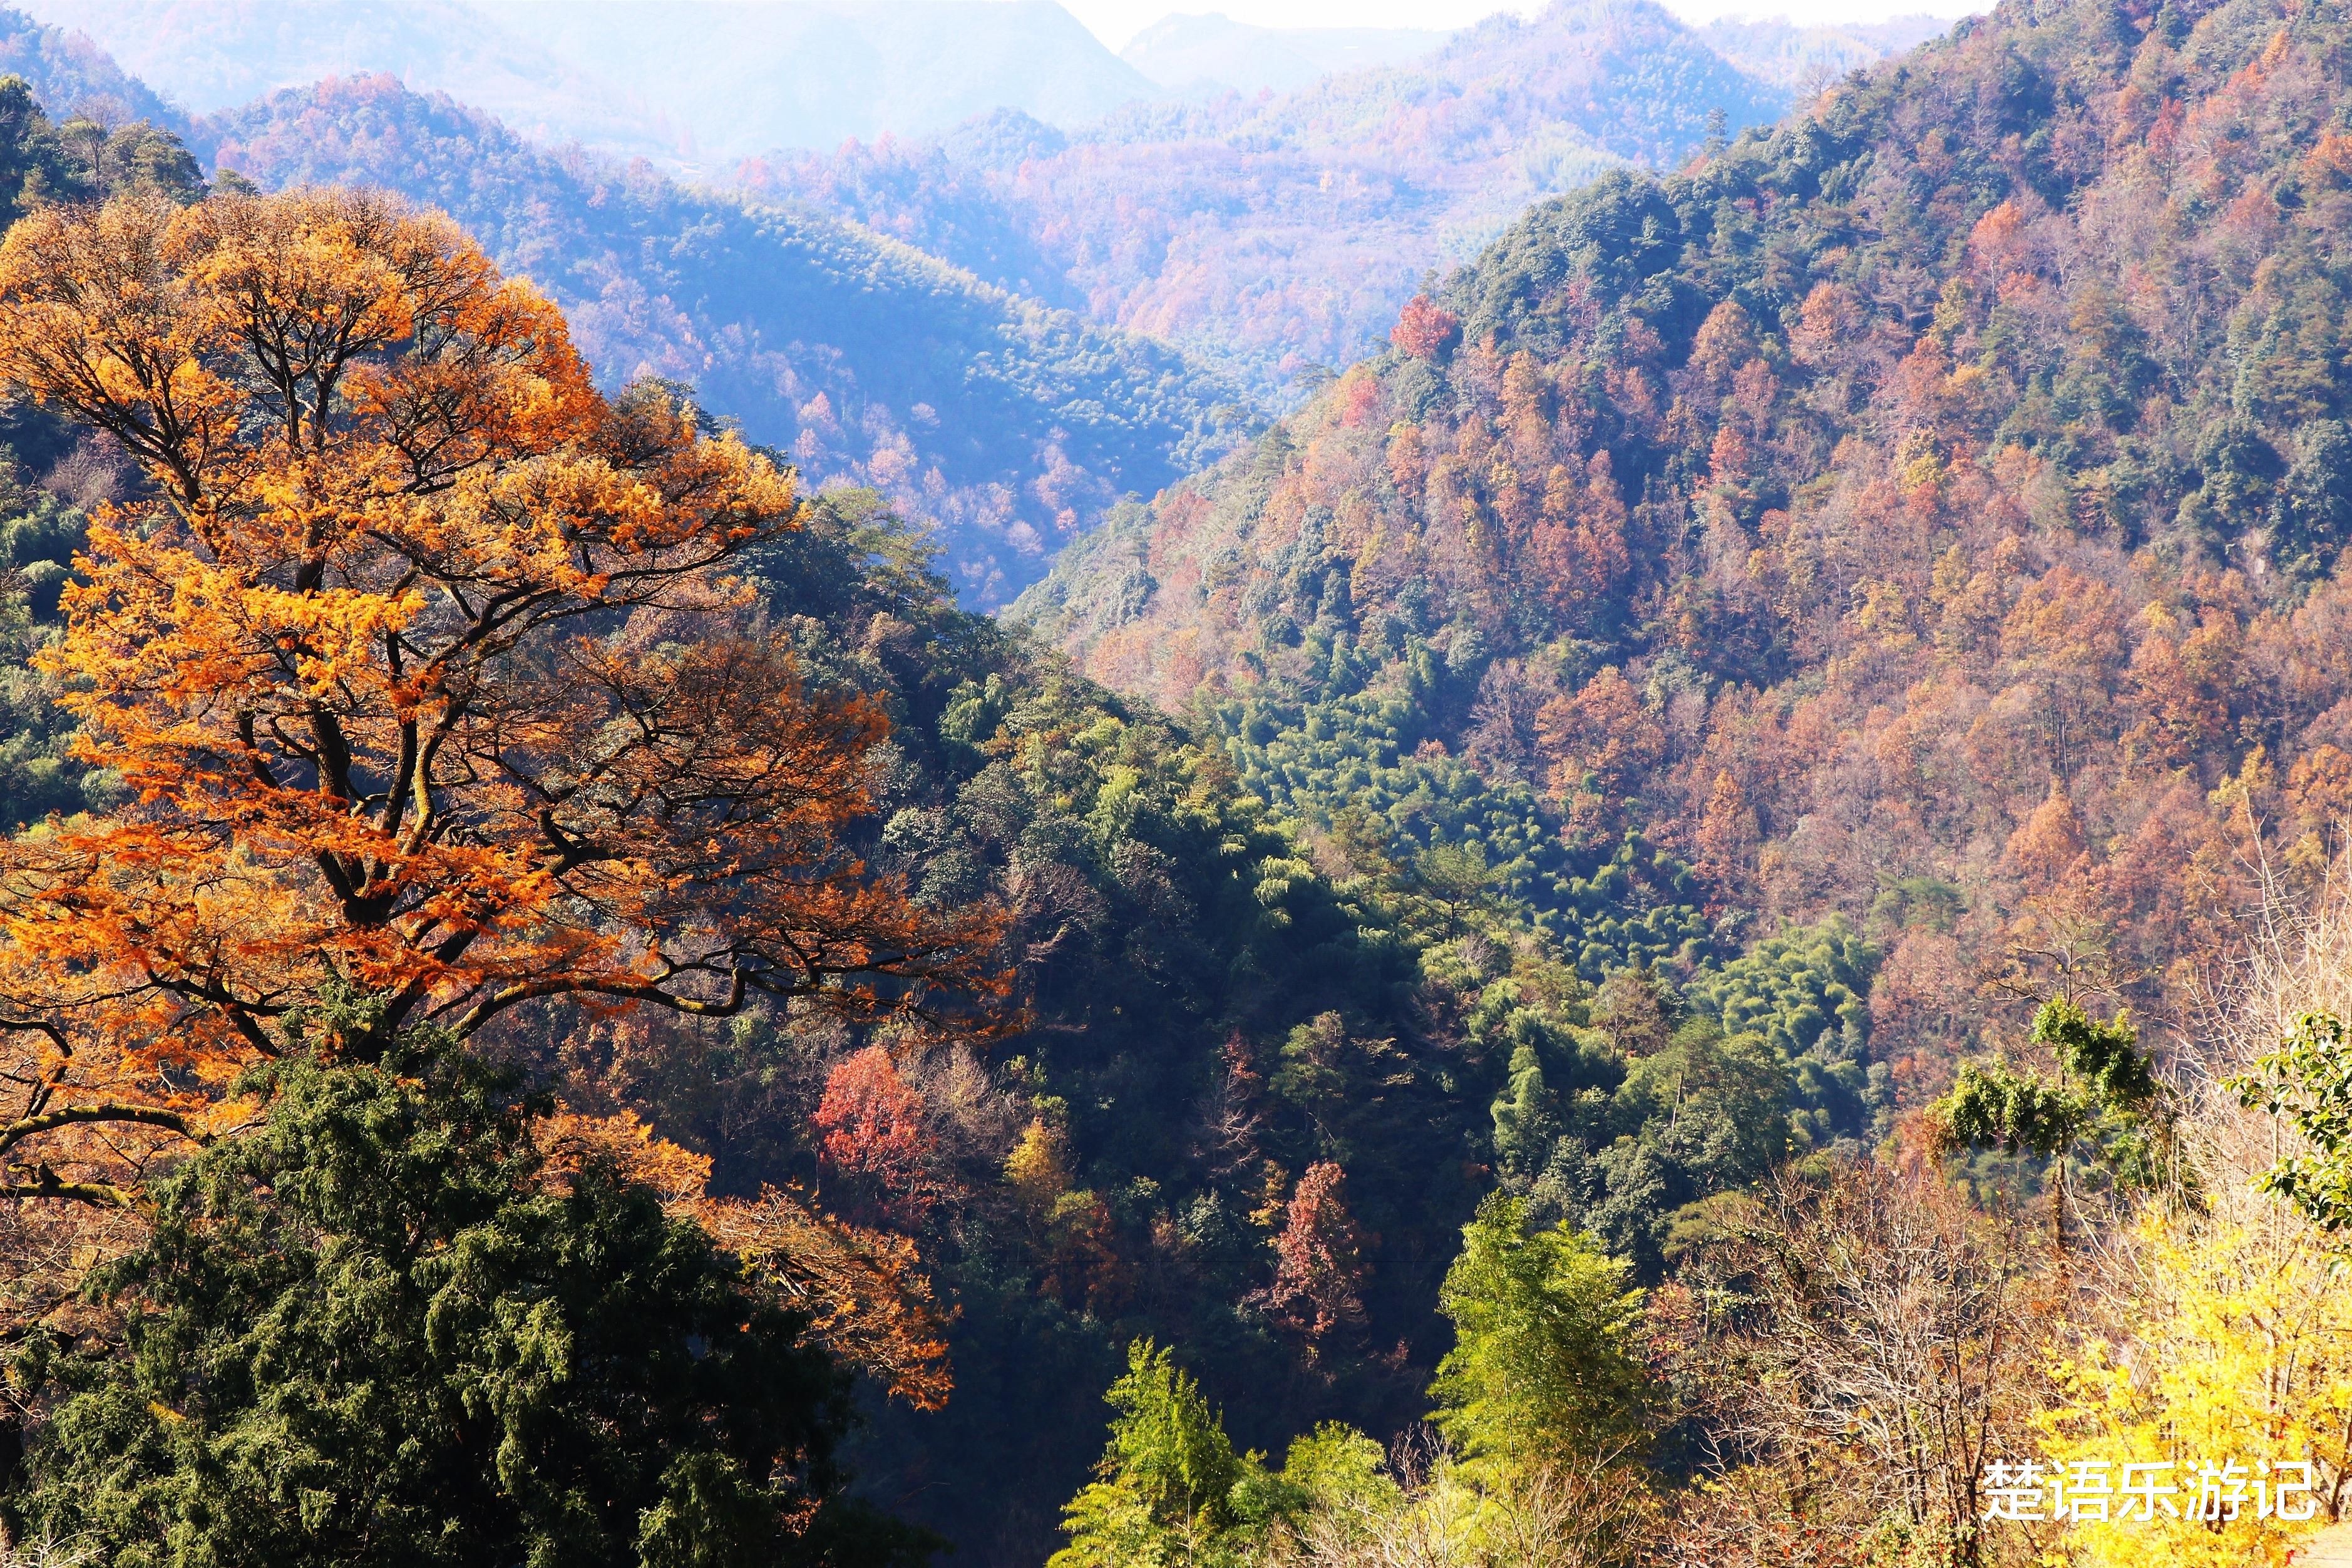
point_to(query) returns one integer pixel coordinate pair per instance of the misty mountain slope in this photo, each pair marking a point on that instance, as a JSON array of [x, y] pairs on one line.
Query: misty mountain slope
[[1276, 236], [1806, 59], [1623, 74], [1011, 424], [70, 74], [1269, 236], [1207, 54], [745, 76], [215, 54], [679, 80]]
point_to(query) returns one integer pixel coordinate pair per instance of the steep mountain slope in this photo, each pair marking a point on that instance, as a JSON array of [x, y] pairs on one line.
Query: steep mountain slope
[[1930, 511], [1279, 235], [678, 80], [1208, 1022], [1013, 425]]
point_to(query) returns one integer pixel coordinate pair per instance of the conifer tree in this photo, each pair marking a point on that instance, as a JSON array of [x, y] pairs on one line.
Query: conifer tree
[[376, 1330]]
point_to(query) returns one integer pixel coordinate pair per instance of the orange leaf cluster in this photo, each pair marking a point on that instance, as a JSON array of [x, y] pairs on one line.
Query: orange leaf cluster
[[866, 1295], [426, 668], [867, 1299]]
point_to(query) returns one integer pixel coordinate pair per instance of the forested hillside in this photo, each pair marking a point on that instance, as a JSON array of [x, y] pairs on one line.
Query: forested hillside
[[1279, 235], [1850, 590], [1264, 236], [1926, 512], [1010, 424]]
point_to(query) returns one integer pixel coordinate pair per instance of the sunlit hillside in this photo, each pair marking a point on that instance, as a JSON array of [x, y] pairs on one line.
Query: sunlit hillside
[[1578, 800], [1275, 237]]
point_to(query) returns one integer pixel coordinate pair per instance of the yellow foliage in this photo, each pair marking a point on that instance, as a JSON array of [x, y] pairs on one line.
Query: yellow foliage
[[2238, 1345], [1035, 1169], [628, 1147]]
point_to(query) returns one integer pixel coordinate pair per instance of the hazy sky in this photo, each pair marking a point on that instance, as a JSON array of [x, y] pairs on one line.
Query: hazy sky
[[1117, 21]]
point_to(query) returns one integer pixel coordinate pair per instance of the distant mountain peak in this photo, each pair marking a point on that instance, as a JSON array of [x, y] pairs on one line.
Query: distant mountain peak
[[1209, 52], [676, 80]]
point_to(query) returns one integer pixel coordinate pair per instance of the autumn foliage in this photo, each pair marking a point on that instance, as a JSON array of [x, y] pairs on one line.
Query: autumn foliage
[[870, 1125], [1425, 329], [424, 666], [1319, 1268]]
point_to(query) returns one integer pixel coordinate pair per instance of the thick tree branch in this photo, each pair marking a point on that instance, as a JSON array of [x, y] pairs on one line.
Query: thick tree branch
[[80, 1115]]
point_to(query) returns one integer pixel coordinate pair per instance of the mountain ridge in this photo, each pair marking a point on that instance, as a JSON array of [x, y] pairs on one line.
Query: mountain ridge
[[1274, 236], [1912, 513], [1011, 424], [1209, 54]]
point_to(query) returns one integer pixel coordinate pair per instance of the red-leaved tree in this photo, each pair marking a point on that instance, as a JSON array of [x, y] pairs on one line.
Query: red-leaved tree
[[871, 1122], [1319, 1266], [1425, 329]]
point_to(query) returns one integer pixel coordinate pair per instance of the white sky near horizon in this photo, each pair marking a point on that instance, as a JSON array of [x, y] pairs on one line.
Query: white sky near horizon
[[1115, 22]]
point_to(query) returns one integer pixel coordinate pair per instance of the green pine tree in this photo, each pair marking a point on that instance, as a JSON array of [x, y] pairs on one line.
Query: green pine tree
[[369, 1333]]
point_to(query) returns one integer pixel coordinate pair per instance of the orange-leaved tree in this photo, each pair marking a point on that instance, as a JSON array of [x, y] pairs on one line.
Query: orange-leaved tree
[[423, 667], [864, 1295]]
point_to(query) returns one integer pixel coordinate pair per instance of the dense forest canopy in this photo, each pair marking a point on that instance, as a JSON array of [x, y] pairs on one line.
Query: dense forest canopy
[[1925, 512], [1611, 946], [1902, 545]]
